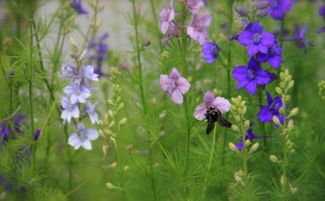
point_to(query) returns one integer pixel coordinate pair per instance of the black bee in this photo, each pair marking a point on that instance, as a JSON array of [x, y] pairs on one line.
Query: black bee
[[213, 115]]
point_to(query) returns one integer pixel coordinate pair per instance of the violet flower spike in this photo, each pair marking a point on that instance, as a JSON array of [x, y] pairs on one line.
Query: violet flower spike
[[272, 109], [210, 102], [69, 110], [82, 137], [175, 86], [252, 76]]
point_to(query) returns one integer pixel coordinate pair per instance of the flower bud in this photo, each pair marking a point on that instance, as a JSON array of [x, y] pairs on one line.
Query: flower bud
[[293, 112], [274, 159], [232, 147], [254, 148]]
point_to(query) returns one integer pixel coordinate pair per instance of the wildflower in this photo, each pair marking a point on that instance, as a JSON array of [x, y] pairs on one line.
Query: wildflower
[[70, 110], [78, 7], [18, 121], [174, 85], [98, 49], [255, 39], [91, 111], [271, 110], [167, 21], [37, 134], [252, 76], [250, 135], [277, 9], [210, 52], [77, 92], [198, 28], [321, 11], [273, 56], [195, 5], [299, 37], [211, 103], [5, 130], [82, 137]]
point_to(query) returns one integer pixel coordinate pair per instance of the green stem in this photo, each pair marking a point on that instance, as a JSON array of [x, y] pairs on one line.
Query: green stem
[[154, 15], [188, 136]]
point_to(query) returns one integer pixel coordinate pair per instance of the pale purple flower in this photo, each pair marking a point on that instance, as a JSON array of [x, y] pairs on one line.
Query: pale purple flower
[[69, 72], [167, 17], [97, 50], [89, 73], [199, 27], [92, 113], [210, 52], [82, 137], [210, 102], [69, 110], [174, 85], [195, 5], [78, 7], [77, 92]]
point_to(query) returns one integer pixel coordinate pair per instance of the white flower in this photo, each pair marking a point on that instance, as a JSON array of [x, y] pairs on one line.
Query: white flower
[[82, 137]]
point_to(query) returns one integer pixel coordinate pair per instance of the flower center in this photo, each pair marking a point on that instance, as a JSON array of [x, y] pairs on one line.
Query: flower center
[[251, 74], [257, 38]]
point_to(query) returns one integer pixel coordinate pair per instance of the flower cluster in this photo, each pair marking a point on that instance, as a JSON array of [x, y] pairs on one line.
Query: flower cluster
[[262, 47], [75, 103], [168, 25]]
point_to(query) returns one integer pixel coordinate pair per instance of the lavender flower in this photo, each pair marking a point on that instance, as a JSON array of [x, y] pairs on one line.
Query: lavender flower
[[271, 110], [91, 111], [277, 9], [210, 102], [70, 110], [210, 52], [199, 27], [98, 50], [195, 5], [299, 37], [5, 130], [255, 39], [321, 11], [252, 76], [78, 7], [273, 56], [77, 92], [82, 137], [168, 25], [174, 85]]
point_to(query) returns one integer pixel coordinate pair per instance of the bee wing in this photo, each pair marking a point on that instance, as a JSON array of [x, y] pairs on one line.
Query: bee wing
[[224, 122]]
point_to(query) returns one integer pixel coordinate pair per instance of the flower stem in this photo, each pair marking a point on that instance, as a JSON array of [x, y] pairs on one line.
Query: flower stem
[[188, 136]]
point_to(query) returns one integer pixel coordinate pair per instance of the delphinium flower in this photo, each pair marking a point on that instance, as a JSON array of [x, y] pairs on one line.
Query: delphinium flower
[[97, 51], [210, 52], [299, 36], [250, 135], [168, 26], [271, 110], [255, 39], [4, 130], [272, 57], [78, 6], [195, 5], [175, 86], [75, 102], [12, 126], [251, 76], [199, 26], [277, 9], [83, 137]]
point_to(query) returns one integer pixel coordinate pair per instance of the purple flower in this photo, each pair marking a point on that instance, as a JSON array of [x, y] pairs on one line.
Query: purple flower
[[210, 52], [321, 30], [277, 9], [255, 39], [92, 113], [210, 102], [273, 56], [82, 137], [195, 5], [168, 25], [321, 11], [299, 37], [98, 50], [78, 7], [250, 135], [37, 134], [199, 27], [18, 121], [69, 72], [77, 92], [174, 85], [70, 110], [5, 130], [272, 109], [251, 76]]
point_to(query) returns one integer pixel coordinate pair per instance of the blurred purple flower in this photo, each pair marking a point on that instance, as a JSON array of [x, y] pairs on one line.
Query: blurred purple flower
[[78, 7], [5, 130], [18, 121], [273, 56], [255, 39], [82, 137], [210, 52], [199, 26], [299, 36], [277, 9], [252, 76], [98, 49], [195, 5], [92, 113], [174, 85], [272, 109], [210, 102], [70, 110], [167, 17], [37, 134], [250, 135], [321, 30], [77, 92], [321, 11]]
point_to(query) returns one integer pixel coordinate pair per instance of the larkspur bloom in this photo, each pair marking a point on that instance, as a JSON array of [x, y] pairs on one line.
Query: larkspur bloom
[[77, 92], [92, 113], [210, 102], [255, 39], [199, 26], [175, 86], [273, 56], [5, 130], [195, 5], [168, 26], [210, 52], [69, 110], [78, 6], [299, 36], [277, 9], [251, 77], [83, 137], [271, 110], [250, 135], [97, 50]]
